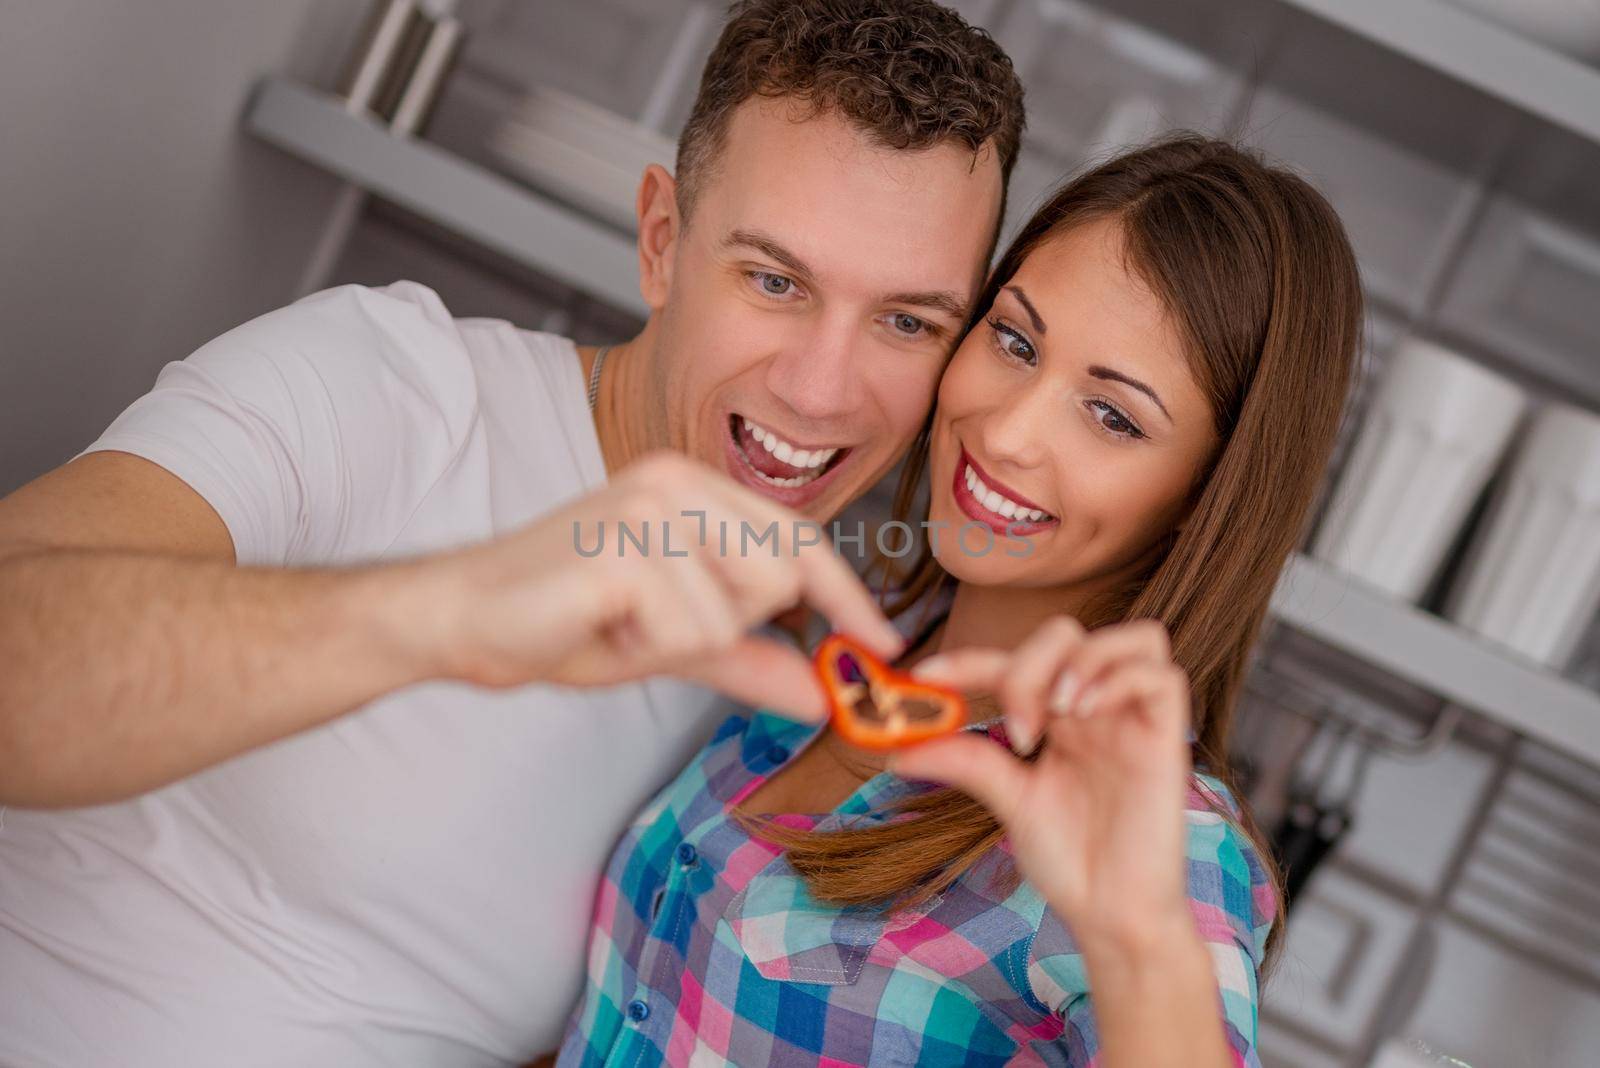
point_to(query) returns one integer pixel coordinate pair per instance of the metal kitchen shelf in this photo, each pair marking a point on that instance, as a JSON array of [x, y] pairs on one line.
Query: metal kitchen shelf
[[517, 221], [1472, 50], [1439, 656], [496, 212]]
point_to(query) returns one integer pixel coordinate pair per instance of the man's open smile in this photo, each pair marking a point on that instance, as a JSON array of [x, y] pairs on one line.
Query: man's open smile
[[789, 472]]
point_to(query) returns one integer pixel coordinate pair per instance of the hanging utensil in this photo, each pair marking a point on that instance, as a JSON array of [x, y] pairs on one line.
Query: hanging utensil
[[1296, 833], [1332, 822]]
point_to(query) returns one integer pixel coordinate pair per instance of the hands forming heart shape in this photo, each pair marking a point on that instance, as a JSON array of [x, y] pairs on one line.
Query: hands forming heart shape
[[875, 706]]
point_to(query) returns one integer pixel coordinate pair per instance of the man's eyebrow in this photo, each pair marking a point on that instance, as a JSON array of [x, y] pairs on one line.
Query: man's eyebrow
[[1117, 376], [767, 246], [940, 300]]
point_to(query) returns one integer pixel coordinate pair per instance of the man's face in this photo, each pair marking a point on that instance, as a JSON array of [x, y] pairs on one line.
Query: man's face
[[812, 299]]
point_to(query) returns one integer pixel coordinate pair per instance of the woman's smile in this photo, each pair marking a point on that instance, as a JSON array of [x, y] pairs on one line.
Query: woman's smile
[[985, 500]]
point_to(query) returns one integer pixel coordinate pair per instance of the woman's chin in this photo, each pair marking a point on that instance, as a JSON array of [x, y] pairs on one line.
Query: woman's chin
[[972, 564]]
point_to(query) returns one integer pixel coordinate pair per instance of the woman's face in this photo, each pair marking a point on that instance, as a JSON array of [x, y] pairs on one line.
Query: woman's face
[[1041, 411]]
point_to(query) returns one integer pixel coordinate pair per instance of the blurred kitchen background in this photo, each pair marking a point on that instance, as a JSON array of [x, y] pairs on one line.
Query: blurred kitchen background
[[1421, 733]]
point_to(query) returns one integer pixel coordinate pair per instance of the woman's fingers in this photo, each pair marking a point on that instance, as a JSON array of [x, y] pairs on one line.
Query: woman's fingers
[[973, 764], [975, 669], [1026, 681], [1158, 692], [1036, 675], [1142, 639], [1062, 668]]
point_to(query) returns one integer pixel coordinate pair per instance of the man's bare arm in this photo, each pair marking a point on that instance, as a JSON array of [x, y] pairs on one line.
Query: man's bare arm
[[133, 651]]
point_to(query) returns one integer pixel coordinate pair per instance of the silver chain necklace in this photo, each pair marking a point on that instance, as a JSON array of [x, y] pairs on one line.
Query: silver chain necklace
[[594, 375]]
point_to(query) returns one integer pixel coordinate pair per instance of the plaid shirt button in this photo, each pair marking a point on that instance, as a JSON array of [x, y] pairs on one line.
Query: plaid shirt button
[[638, 1011]]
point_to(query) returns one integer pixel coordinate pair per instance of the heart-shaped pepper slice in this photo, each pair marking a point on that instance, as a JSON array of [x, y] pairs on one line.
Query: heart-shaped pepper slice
[[876, 707]]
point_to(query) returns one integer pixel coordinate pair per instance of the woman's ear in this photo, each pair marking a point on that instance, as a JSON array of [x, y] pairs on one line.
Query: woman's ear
[[659, 227]]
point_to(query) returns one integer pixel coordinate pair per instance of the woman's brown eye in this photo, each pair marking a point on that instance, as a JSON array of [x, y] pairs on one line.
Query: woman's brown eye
[[1012, 343], [1115, 422]]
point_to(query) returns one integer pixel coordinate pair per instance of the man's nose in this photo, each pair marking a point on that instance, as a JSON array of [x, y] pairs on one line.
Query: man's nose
[[817, 373]]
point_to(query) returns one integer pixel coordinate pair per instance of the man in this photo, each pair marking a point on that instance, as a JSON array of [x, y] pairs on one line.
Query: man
[[360, 504]]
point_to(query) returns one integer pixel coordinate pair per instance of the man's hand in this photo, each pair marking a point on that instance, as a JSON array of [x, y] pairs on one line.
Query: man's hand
[[530, 606]]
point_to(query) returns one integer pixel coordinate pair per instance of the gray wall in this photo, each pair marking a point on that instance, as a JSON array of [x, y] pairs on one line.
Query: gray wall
[[136, 222]]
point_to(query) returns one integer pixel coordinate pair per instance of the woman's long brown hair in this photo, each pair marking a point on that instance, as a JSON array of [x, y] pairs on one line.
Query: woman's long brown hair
[[1254, 266]]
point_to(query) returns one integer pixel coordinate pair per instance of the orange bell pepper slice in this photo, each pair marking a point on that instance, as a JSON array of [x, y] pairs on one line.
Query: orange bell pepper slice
[[875, 706]]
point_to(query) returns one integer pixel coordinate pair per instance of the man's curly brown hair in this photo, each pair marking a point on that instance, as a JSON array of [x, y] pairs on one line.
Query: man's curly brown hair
[[911, 74]]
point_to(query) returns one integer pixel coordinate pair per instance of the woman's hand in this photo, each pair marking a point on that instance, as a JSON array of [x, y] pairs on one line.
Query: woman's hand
[[1096, 821]]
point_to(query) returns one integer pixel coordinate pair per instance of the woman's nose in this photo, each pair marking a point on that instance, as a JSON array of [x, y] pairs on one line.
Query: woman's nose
[[1018, 430]]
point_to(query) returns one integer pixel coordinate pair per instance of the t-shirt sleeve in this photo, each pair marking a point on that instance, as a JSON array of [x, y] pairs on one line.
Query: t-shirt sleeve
[[316, 429], [1232, 900]]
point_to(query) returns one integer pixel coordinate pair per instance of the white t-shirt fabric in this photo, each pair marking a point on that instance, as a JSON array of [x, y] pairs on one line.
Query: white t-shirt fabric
[[410, 884]]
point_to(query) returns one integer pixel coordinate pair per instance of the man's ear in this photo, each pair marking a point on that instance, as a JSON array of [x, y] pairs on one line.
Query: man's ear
[[659, 228]]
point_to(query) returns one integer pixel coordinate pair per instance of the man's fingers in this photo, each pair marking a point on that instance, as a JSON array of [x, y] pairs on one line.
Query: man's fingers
[[838, 593], [971, 763], [826, 582], [702, 605], [764, 673]]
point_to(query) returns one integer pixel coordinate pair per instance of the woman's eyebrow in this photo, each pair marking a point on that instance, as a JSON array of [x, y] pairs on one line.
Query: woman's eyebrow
[[1117, 376], [1033, 313], [1096, 370]]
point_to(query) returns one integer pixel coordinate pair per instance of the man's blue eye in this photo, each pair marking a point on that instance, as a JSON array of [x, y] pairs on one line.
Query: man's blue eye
[[776, 284], [907, 324]]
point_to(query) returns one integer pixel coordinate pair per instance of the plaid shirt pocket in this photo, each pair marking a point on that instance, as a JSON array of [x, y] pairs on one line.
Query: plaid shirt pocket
[[788, 936]]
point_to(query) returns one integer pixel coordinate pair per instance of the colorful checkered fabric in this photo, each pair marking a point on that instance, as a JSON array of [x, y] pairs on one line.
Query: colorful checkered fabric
[[707, 949]]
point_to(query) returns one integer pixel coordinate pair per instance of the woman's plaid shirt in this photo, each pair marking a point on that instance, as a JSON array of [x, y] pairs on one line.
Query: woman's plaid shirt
[[706, 948]]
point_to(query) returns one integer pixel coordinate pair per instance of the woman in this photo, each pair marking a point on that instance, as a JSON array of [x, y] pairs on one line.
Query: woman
[[1138, 418]]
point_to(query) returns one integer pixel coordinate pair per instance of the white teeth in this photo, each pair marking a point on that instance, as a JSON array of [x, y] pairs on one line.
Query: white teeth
[[1001, 506], [809, 460], [798, 480], [786, 452]]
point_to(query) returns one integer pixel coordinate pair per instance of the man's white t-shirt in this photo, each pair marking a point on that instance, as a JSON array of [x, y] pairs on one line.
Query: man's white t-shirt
[[410, 884]]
